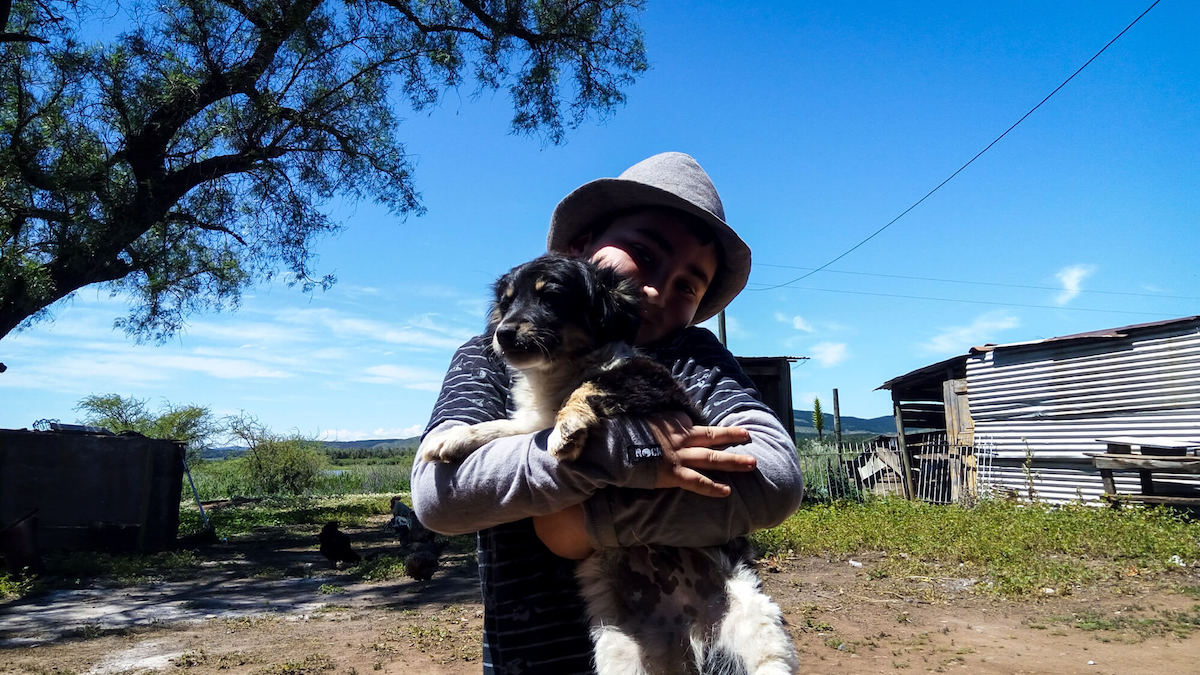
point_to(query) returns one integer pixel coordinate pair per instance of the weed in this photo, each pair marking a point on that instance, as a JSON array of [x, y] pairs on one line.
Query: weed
[[330, 589], [14, 586], [313, 663], [382, 568], [840, 644]]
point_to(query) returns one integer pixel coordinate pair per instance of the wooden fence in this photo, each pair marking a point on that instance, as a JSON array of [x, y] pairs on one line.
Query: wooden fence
[[936, 470]]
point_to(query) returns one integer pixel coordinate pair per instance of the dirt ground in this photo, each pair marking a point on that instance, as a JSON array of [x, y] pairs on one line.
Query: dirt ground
[[272, 605]]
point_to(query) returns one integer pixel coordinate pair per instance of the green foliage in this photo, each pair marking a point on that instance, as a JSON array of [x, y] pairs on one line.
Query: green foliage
[[826, 477], [192, 152], [17, 585], [276, 464], [194, 425], [284, 466], [1013, 549]]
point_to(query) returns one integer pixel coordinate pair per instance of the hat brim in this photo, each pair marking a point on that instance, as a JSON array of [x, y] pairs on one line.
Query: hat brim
[[593, 203]]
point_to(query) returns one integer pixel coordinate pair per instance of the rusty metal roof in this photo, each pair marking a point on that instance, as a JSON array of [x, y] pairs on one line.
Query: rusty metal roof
[[1107, 333], [925, 377]]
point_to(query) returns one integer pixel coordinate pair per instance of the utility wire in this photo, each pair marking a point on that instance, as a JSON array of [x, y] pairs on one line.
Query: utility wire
[[969, 162], [978, 302], [982, 283]]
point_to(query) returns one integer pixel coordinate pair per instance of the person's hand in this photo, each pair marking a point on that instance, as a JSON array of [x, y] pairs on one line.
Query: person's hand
[[689, 449]]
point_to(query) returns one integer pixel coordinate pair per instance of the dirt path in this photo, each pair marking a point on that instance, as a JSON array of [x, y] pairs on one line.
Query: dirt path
[[842, 619]]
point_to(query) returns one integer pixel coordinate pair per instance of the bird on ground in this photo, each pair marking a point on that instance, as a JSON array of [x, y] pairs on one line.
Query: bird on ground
[[423, 562], [335, 545], [405, 525]]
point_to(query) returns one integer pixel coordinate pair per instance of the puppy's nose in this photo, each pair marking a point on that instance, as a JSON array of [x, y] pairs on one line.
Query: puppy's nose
[[506, 334]]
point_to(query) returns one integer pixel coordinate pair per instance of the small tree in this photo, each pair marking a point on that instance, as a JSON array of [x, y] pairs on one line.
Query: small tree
[[818, 419], [192, 424], [277, 464]]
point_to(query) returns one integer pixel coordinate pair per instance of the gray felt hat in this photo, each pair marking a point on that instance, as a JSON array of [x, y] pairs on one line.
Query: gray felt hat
[[670, 179]]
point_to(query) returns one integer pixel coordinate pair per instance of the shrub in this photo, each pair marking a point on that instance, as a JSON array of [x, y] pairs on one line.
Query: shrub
[[284, 465]]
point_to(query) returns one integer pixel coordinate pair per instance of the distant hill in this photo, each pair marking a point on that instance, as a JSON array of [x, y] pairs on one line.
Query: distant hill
[[376, 444], [380, 445], [850, 425]]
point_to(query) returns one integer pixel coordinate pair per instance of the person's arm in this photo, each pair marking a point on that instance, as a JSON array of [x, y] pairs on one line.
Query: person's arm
[[758, 499]]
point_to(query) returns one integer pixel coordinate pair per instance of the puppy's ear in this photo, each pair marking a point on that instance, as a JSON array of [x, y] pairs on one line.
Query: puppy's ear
[[502, 290], [619, 305]]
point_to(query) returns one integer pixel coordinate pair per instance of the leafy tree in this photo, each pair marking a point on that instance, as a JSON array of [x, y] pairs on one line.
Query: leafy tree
[[191, 154], [191, 424], [277, 464], [818, 419]]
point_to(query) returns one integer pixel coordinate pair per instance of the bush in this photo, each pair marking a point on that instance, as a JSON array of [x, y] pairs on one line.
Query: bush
[[284, 466]]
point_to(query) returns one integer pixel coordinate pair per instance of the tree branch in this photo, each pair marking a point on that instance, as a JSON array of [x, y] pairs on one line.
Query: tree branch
[[404, 8]]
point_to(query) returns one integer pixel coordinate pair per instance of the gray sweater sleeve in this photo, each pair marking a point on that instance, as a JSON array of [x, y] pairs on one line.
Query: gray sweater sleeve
[[516, 477]]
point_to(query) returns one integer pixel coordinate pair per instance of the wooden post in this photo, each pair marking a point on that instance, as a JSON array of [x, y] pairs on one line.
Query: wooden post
[[909, 493], [837, 420], [721, 328]]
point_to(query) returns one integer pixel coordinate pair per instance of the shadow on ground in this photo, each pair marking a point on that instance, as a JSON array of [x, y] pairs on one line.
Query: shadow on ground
[[270, 572]]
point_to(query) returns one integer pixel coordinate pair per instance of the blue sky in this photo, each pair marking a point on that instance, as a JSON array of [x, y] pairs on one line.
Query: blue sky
[[819, 124]]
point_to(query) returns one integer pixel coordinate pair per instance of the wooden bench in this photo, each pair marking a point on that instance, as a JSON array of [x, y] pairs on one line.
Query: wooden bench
[[1154, 455]]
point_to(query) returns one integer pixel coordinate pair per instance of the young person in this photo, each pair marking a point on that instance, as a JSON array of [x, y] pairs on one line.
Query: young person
[[662, 223]]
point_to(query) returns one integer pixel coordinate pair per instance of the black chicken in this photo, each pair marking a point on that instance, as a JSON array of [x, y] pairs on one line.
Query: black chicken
[[335, 545], [423, 562]]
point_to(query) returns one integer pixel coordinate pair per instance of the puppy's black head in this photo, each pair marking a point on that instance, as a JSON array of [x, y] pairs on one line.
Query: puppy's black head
[[555, 308]]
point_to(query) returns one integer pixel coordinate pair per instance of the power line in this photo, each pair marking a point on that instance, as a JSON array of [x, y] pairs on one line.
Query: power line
[[980, 283], [970, 161], [975, 302]]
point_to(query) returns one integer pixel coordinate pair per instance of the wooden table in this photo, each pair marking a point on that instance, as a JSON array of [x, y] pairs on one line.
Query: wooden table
[[1123, 459]]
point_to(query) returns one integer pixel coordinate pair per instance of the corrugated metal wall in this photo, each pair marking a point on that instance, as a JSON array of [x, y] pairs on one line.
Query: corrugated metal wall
[[1042, 406]]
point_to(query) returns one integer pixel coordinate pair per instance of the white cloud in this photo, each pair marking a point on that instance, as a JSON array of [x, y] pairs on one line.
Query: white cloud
[[422, 379], [421, 332], [830, 353], [798, 322], [958, 339], [377, 433], [1072, 278]]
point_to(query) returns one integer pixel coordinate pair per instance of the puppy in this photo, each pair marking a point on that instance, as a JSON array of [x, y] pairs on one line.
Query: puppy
[[565, 327]]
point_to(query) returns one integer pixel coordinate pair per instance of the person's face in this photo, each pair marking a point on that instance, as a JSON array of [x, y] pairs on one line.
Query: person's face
[[656, 249]]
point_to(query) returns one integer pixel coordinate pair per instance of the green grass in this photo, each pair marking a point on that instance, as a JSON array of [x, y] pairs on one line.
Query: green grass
[[223, 479], [243, 517], [1012, 549]]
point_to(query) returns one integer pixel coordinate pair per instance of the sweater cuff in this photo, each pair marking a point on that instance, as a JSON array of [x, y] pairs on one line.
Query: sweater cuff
[[633, 446]]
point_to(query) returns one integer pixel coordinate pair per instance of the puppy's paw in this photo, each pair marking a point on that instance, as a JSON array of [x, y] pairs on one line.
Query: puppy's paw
[[566, 441], [452, 445], [573, 421]]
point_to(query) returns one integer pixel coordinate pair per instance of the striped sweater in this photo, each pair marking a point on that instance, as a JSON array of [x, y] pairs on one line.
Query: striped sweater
[[534, 620]]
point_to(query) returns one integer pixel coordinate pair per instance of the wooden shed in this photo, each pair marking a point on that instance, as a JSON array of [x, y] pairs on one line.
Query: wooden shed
[[1046, 406]]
